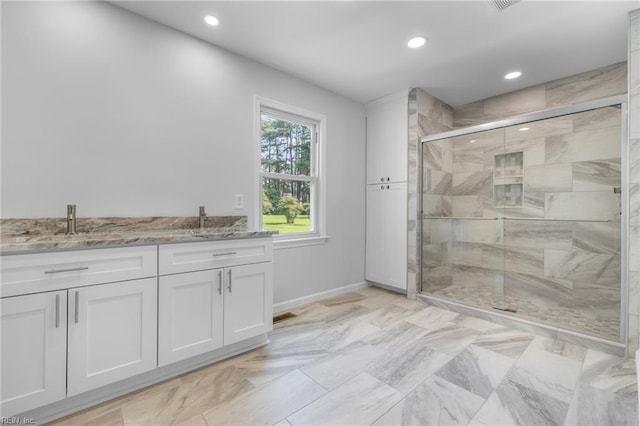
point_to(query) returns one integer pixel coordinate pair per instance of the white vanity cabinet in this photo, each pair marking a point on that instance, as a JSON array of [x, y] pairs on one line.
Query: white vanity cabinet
[[229, 301], [82, 326], [88, 333], [34, 351]]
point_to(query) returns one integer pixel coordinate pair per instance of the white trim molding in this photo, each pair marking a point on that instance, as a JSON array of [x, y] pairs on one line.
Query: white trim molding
[[294, 303], [320, 201]]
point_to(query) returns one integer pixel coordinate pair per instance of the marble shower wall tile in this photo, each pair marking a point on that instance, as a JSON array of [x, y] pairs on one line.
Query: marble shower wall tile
[[538, 234], [597, 301], [543, 128], [597, 237], [435, 279], [469, 254], [467, 205], [437, 205], [468, 160], [603, 269], [478, 231], [552, 293], [435, 155], [437, 182], [435, 110], [524, 260], [516, 103], [532, 152], [435, 255], [597, 119], [498, 107], [474, 183], [472, 277], [587, 205], [437, 231], [607, 81], [599, 144], [548, 178], [597, 175]]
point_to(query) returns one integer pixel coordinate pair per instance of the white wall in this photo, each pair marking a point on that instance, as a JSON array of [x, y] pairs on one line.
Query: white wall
[[125, 117]]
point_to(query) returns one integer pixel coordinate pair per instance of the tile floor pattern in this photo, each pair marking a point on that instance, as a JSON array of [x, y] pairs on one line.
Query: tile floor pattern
[[375, 358]]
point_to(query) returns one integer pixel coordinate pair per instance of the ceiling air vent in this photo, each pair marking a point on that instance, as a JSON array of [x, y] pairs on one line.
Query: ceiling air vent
[[503, 4]]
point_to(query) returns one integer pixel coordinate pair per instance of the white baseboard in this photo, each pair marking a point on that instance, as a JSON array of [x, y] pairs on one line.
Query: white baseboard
[[293, 303]]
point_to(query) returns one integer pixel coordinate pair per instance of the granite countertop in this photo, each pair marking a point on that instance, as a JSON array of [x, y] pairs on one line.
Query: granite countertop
[[48, 234]]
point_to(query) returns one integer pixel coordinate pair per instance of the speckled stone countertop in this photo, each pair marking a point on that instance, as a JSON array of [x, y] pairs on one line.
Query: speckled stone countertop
[[48, 234]]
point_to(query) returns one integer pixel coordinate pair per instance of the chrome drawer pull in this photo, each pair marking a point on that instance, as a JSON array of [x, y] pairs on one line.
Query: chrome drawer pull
[[57, 311], [229, 253], [219, 282], [77, 313], [56, 271]]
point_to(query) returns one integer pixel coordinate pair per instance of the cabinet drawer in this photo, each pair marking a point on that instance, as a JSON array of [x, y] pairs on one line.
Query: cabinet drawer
[[187, 257], [33, 273]]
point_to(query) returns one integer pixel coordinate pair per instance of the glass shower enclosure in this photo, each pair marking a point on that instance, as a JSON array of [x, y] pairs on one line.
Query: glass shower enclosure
[[523, 217]]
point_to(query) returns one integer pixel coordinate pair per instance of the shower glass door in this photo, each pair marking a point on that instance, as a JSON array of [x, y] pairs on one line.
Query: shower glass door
[[562, 246], [462, 251], [526, 220]]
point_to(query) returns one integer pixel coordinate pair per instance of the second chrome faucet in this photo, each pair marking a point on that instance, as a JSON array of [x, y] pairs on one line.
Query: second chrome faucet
[[201, 217]]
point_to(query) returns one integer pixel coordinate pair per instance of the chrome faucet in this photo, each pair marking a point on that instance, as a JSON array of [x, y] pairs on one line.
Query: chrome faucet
[[201, 217], [71, 219]]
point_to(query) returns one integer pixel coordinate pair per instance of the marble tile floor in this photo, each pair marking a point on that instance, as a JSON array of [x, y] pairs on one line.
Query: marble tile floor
[[373, 357]]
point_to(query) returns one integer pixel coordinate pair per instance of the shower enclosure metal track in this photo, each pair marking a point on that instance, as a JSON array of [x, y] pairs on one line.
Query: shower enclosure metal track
[[516, 218]]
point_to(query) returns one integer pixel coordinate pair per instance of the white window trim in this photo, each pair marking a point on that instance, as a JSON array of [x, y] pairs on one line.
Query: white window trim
[[303, 239]]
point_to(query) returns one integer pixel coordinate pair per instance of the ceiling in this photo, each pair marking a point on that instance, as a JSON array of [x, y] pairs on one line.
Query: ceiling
[[358, 48]]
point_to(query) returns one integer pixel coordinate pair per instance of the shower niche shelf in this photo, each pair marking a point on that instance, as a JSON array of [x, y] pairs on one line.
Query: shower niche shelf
[[508, 180]]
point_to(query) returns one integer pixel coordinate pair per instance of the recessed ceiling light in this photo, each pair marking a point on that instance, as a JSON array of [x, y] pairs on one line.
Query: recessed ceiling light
[[523, 129], [417, 41], [512, 75], [211, 20], [472, 141]]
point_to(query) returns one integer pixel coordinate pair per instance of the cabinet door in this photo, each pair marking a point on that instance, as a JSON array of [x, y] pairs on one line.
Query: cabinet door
[[190, 314], [34, 347], [376, 135], [396, 235], [397, 140], [375, 235], [112, 333], [387, 139], [248, 301]]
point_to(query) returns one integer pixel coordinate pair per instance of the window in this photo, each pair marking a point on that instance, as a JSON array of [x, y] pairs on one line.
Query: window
[[290, 178]]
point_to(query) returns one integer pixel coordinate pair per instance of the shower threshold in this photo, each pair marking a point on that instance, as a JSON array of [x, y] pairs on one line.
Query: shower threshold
[[504, 318]]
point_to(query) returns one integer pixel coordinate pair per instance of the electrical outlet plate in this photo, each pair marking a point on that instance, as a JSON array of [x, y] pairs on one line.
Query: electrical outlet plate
[[238, 202]]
